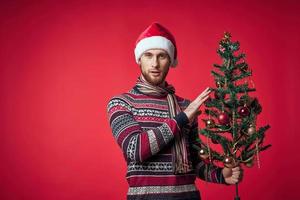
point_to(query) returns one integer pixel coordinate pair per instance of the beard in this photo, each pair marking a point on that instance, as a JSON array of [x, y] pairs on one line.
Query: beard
[[155, 80]]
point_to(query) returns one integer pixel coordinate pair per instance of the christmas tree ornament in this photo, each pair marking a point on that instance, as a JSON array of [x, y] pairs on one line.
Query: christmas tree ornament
[[210, 123], [244, 111], [219, 84], [226, 38], [203, 154], [229, 162], [223, 118], [251, 130]]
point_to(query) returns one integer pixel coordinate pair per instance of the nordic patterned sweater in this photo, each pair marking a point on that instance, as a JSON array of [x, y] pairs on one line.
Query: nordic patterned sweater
[[143, 129]]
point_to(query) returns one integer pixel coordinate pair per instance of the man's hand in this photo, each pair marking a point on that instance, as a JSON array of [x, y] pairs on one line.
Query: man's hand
[[232, 175], [192, 110]]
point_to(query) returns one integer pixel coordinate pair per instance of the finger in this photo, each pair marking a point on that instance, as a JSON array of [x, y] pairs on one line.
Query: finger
[[233, 181], [204, 93], [235, 177], [202, 100], [236, 169], [236, 173], [207, 89]]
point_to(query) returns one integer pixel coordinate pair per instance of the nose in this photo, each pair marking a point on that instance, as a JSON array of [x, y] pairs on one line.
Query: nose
[[154, 61]]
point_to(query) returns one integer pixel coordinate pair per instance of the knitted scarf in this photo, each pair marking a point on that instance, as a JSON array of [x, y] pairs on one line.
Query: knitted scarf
[[179, 152]]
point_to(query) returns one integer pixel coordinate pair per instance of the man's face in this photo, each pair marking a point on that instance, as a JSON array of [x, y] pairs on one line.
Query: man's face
[[155, 64]]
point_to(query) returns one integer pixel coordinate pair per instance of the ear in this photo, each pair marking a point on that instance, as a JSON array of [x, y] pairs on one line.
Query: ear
[[139, 64]]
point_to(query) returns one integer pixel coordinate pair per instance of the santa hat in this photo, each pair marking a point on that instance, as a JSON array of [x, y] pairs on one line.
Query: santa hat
[[156, 37]]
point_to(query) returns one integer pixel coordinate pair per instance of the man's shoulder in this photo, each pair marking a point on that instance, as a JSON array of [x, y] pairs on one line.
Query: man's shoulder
[[124, 98]]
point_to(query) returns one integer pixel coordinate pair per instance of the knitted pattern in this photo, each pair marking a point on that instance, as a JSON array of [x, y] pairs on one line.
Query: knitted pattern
[[142, 128]]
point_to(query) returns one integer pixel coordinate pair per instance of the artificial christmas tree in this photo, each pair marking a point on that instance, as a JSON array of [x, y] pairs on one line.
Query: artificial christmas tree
[[231, 115]]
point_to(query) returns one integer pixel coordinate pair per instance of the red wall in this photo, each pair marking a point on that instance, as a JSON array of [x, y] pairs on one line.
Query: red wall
[[61, 62]]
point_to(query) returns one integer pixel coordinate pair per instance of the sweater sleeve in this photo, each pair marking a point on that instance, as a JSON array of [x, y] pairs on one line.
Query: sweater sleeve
[[137, 144], [204, 170]]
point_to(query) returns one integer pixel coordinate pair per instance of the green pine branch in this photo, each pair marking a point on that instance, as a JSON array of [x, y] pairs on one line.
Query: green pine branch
[[238, 139]]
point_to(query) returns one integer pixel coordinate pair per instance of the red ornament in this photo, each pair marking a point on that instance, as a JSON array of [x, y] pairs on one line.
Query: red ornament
[[244, 111], [223, 119]]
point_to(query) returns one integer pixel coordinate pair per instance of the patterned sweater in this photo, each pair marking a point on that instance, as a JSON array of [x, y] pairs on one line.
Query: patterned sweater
[[143, 129]]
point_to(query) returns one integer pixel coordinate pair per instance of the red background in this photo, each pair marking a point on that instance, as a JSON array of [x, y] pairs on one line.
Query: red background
[[61, 62]]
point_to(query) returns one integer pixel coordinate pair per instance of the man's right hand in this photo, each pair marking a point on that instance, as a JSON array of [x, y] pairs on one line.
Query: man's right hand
[[192, 110]]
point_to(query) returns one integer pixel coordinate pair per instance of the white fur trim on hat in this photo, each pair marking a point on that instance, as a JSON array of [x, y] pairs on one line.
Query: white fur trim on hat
[[155, 42]]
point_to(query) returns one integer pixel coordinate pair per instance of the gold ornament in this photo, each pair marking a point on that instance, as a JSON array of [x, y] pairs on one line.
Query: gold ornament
[[210, 123], [219, 84], [229, 162], [202, 153], [226, 38], [251, 130]]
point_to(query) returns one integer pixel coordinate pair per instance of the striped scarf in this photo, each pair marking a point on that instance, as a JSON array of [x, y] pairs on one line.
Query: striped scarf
[[180, 159]]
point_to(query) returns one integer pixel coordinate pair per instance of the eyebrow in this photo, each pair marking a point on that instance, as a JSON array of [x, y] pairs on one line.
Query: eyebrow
[[160, 53]]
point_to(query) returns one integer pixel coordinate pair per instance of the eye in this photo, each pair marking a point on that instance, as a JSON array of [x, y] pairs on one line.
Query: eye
[[148, 55], [163, 56]]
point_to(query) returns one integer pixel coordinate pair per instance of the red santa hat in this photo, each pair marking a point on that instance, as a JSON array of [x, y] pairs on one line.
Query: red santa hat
[[156, 37]]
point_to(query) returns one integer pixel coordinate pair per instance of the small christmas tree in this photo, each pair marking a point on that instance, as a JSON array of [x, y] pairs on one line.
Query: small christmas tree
[[231, 115]]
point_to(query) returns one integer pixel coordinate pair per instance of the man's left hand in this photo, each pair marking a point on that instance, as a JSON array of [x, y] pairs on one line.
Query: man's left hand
[[233, 175]]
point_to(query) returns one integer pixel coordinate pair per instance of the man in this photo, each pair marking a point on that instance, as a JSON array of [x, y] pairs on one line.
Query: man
[[156, 129]]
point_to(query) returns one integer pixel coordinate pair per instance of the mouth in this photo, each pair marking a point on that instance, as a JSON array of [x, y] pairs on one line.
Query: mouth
[[155, 73]]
